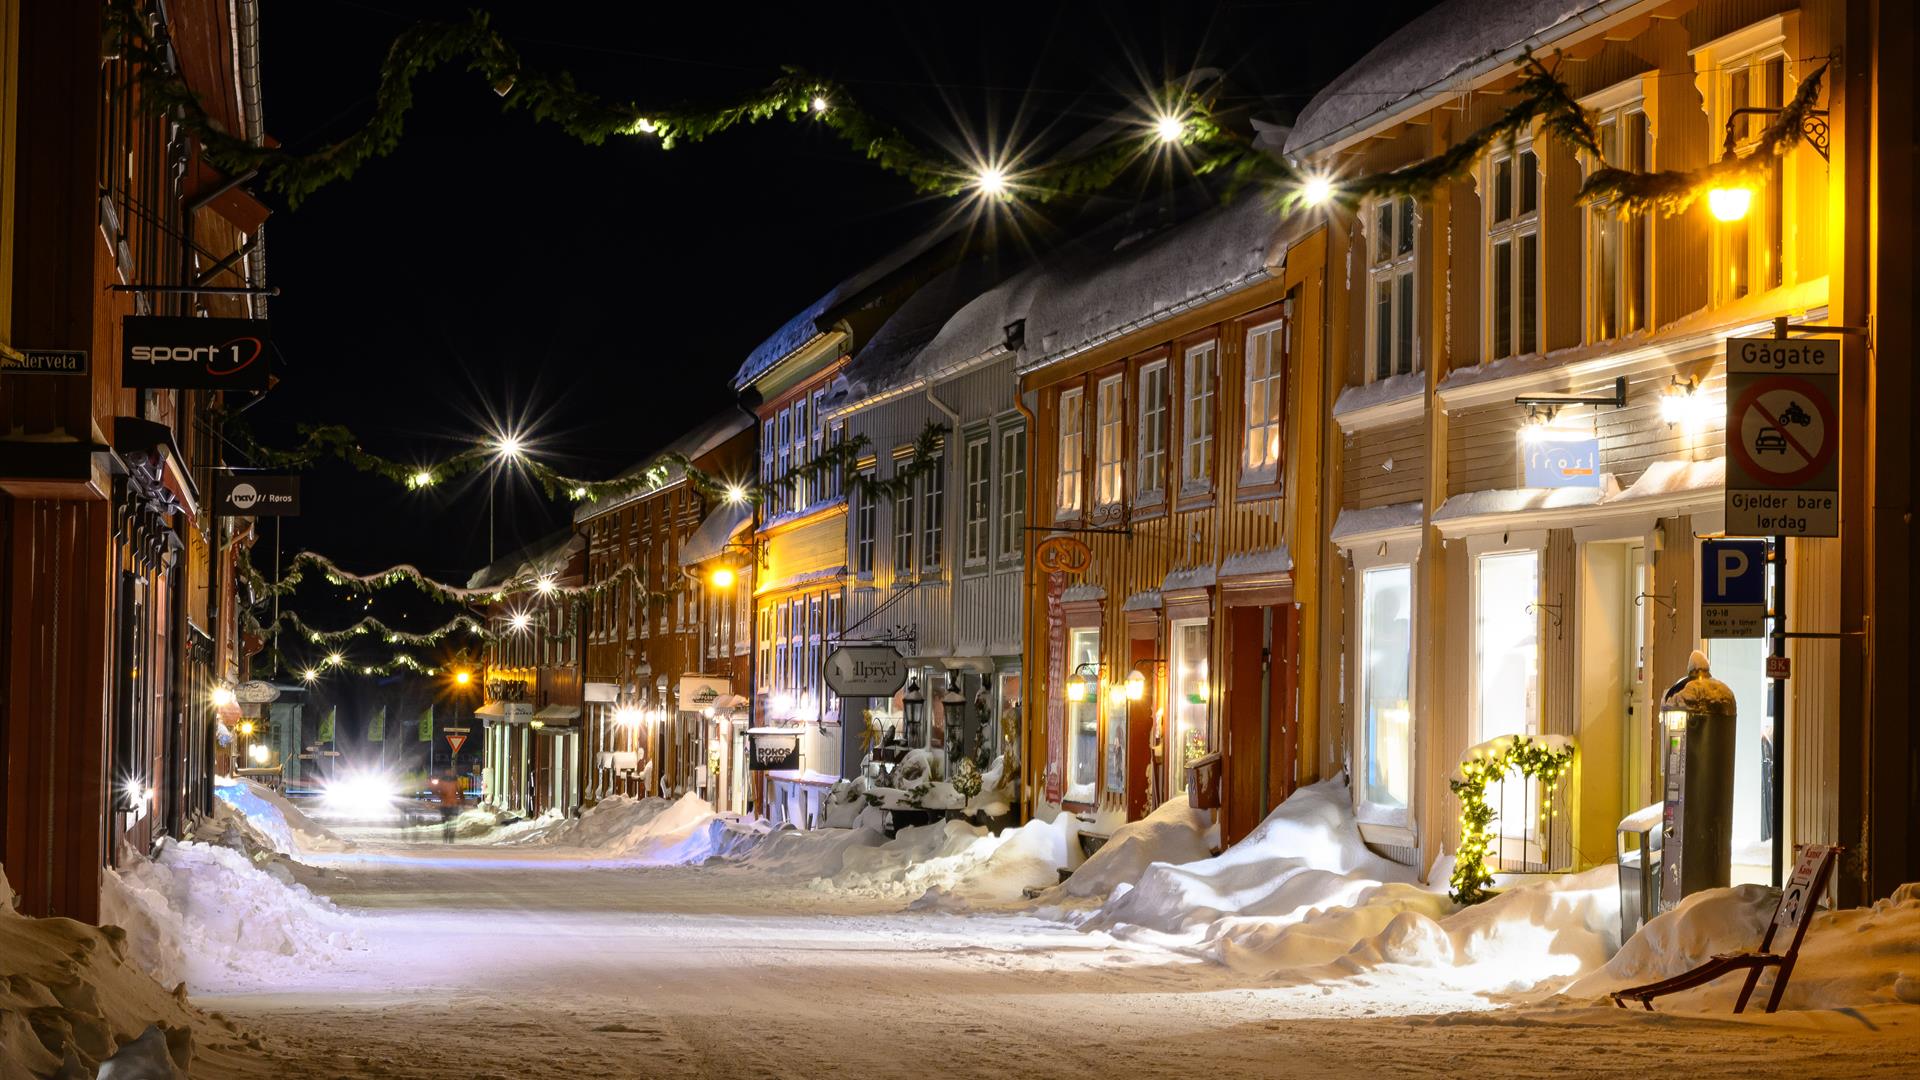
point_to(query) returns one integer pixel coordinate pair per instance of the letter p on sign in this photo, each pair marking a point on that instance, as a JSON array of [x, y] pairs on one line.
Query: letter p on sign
[[1733, 565]]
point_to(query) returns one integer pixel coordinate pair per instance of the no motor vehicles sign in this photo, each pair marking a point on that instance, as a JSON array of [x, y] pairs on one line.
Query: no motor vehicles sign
[[1783, 437]]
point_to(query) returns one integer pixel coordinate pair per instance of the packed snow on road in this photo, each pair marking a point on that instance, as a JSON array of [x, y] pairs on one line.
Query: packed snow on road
[[659, 938]]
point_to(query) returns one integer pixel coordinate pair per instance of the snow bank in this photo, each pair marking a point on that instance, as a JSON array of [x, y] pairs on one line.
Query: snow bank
[[1851, 958], [216, 915], [1175, 833], [290, 832], [70, 998], [644, 832]]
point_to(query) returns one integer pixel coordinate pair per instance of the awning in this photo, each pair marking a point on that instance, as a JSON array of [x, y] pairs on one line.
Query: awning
[[558, 715], [727, 521], [511, 712]]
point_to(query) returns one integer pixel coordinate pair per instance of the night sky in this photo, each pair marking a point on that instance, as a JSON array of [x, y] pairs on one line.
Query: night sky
[[494, 271]]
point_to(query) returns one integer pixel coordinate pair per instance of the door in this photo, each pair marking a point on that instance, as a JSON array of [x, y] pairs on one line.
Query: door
[[1260, 695], [1141, 766]]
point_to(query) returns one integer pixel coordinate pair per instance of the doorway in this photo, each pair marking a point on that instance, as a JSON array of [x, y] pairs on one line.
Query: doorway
[[1259, 722], [1615, 734]]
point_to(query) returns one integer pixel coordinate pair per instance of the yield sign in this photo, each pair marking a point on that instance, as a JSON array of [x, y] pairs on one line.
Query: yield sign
[[456, 741]]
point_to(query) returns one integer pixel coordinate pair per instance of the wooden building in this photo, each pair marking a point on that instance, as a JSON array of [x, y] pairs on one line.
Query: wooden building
[[117, 614], [662, 615], [1500, 568], [532, 752], [1174, 382]]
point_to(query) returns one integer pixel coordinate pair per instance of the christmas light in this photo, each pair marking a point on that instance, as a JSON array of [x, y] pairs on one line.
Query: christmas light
[[222, 697], [334, 658], [818, 103], [1317, 190], [246, 727], [309, 675], [508, 446], [544, 585], [1170, 128], [991, 180], [520, 620], [422, 478], [736, 494], [258, 752]]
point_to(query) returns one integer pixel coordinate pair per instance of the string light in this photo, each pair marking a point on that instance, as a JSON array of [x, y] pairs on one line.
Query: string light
[[509, 446], [422, 478], [520, 620], [334, 658], [818, 103], [309, 675], [1535, 761], [544, 585], [736, 494], [1170, 128], [991, 180]]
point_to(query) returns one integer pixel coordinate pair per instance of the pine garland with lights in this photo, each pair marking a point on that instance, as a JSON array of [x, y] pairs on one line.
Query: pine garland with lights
[[1535, 761]]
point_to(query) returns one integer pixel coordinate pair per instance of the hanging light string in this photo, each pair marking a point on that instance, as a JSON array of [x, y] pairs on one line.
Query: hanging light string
[[1537, 761]]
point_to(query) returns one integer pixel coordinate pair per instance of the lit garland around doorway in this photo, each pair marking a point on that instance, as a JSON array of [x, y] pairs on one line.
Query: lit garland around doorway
[[1546, 762]]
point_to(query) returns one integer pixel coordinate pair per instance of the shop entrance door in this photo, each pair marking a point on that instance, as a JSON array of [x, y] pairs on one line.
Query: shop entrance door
[[1260, 689], [1141, 768]]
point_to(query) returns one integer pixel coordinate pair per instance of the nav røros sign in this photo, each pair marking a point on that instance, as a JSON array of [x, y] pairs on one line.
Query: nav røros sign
[[256, 495], [170, 353], [865, 671]]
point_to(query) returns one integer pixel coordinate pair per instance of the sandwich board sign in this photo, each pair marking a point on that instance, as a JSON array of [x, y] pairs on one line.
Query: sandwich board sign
[[1733, 588], [1783, 436]]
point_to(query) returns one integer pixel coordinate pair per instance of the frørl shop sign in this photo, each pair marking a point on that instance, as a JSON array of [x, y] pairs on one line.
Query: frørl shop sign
[[865, 671]]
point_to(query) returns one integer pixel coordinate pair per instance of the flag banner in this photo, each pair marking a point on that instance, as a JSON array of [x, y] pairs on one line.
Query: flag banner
[[426, 724], [377, 730], [326, 725]]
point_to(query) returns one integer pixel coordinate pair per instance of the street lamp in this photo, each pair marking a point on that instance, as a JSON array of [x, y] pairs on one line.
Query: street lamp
[[911, 702], [953, 705]]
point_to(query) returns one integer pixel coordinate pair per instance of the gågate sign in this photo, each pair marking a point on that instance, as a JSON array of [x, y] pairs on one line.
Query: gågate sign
[[1783, 436]]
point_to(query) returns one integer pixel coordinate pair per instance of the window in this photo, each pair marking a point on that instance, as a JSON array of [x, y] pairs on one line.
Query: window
[[1617, 249], [1196, 430], [783, 457], [902, 523], [1072, 450], [797, 643], [810, 677], [767, 634], [1513, 253], [933, 512], [1386, 656], [1191, 695], [979, 489], [1083, 717], [780, 647], [1390, 277], [1108, 421], [1150, 474], [802, 493], [1506, 643], [1013, 493], [1752, 249], [834, 479], [1266, 378], [865, 516], [769, 438]]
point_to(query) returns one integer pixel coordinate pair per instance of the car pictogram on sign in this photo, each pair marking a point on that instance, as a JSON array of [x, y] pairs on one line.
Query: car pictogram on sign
[[1769, 441]]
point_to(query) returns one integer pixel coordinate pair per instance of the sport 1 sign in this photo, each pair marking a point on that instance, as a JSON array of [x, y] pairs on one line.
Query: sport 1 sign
[[1733, 588], [1783, 436], [169, 353], [865, 671], [256, 495]]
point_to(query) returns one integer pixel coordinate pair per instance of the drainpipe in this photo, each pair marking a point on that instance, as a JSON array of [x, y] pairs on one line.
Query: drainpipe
[[1029, 679]]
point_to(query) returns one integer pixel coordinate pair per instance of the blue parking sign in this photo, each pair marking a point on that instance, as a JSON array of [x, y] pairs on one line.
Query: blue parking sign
[[1733, 588]]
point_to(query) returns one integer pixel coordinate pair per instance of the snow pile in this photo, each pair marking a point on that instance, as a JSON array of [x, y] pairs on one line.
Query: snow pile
[[1851, 958], [819, 853], [213, 914], [650, 831], [70, 998], [1175, 833], [290, 832]]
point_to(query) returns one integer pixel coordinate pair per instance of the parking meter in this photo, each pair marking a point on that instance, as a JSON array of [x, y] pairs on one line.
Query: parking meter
[[1697, 721]]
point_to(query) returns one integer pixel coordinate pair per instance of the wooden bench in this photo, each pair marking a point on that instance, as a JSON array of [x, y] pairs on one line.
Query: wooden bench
[[1798, 902]]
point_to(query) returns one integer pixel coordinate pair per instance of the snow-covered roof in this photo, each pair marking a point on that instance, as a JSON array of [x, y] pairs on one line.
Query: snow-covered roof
[[1273, 560], [1353, 526], [893, 355], [817, 318], [1439, 52], [1148, 266], [701, 439], [546, 555]]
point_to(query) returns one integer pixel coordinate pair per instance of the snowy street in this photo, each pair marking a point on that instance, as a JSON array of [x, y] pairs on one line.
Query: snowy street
[[500, 962]]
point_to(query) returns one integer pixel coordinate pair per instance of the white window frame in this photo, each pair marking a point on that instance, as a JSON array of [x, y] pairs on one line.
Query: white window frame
[[1176, 680], [1398, 554], [1267, 429], [1479, 548], [1747, 52], [905, 540], [1615, 110], [1393, 251], [976, 535], [1110, 450], [1200, 384], [1154, 412], [1013, 493], [1088, 793], [1513, 231], [1071, 496], [933, 513], [866, 526], [783, 455]]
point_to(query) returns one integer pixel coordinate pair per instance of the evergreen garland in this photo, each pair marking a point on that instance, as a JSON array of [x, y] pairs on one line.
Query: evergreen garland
[[1534, 760]]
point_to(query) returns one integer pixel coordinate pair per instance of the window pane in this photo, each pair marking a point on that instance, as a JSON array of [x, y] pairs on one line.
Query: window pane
[[1072, 416], [1151, 471], [1108, 446], [1527, 179], [1502, 189], [1199, 415], [933, 515], [1502, 299], [1383, 329], [1191, 692], [1383, 232], [1403, 338], [1387, 651], [1083, 717], [1606, 268], [1506, 644], [1529, 299], [1013, 493], [1404, 235]]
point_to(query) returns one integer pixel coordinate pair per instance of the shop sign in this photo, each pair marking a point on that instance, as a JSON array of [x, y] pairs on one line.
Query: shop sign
[[1783, 437], [1733, 588], [699, 692], [767, 752], [44, 362], [255, 692], [171, 353], [1056, 698], [1562, 463], [1779, 667], [256, 494], [865, 671]]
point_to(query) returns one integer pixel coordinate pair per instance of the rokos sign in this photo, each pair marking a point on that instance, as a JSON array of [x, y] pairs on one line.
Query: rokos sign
[[865, 671], [172, 353]]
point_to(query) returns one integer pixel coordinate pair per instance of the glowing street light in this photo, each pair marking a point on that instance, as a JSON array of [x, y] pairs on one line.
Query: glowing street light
[[463, 676], [544, 585], [818, 104], [1317, 190], [1170, 128], [246, 727], [222, 696], [509, 446], [736, 494], [1730, 203], [722, 577], [991, 180], [309, 675]]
